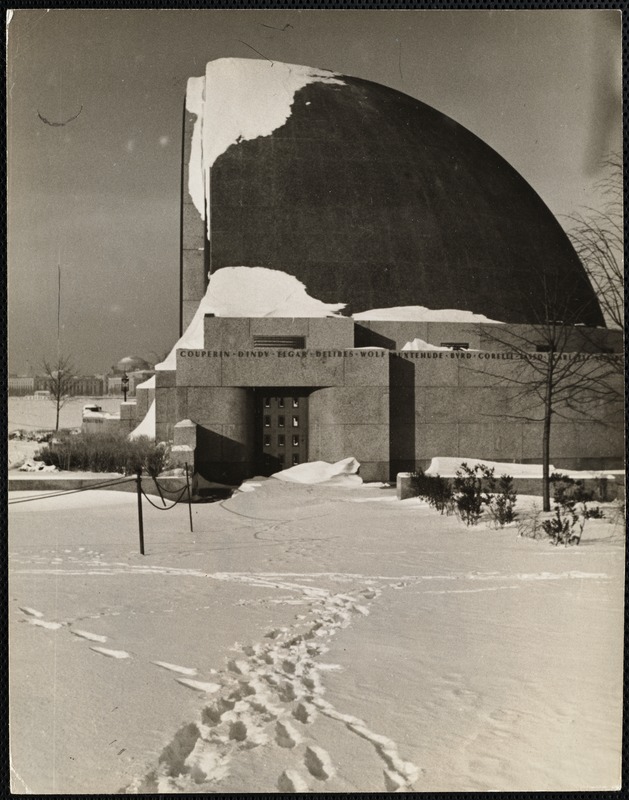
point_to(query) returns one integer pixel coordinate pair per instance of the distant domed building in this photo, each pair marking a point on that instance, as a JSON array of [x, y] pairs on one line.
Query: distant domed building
[[355, 270], [135, 368], [132, 364]]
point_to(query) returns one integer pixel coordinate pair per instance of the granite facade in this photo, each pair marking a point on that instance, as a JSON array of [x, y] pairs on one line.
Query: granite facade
[[393, 410]]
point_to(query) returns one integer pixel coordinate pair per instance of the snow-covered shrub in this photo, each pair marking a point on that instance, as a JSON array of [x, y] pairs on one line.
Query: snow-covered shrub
[[502, 504], [156, 459], [571, 510], [616, 512], [470, 493], [105, 453], [530, 524], [434, 489], [560, 527]]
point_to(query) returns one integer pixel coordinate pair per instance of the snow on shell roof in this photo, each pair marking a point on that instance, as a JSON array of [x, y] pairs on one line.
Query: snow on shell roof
[[239, 99], [250, 292], [377, 199], [422, 314]]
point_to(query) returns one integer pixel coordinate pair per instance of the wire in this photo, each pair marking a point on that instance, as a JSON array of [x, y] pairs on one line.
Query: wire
[[162, 508], [160, 487], [46, 495]]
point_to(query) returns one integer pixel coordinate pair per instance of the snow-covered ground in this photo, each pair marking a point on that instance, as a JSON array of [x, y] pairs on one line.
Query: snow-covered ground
[[308, 638], [27, 413]]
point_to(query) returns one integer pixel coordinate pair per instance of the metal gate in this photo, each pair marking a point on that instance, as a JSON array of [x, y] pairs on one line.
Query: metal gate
[[282, 429]]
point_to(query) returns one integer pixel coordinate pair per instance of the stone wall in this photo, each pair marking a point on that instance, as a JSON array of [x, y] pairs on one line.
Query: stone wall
[[393, 335], [392, 410], [476, 405], [348, 407]]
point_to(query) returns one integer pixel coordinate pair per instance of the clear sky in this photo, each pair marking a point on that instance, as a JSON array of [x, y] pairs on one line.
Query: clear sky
[[100, 195]]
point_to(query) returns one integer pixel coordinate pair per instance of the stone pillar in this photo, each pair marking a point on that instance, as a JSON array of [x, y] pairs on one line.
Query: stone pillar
[[165, 400], [351, 421], [128, 417], [404, 486], [225, 431], [193, 267]]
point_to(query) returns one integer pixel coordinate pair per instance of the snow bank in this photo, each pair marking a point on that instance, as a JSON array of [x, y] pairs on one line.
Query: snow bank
[[341, 473], [36, 466], [420, 344], [147, 426], [585, 474], [238, 100], [422, 314], [250, 292], [148, 384], [446, 467]]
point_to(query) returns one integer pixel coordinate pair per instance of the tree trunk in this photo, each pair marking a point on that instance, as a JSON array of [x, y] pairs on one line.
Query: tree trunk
[[548, 413], [57, 420]]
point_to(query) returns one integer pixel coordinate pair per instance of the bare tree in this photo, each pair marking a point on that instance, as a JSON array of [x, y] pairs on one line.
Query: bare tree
[[558, 370], [597, 236], [59, 376]]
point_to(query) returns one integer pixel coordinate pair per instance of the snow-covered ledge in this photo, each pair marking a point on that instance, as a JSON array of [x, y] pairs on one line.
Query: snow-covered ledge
[[404, 485], [184, 443]]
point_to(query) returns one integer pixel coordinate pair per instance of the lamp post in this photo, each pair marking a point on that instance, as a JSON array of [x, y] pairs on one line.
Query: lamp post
[[125, 386]]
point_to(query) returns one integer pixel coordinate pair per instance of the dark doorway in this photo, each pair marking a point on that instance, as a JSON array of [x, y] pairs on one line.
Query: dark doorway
[[281, 429]]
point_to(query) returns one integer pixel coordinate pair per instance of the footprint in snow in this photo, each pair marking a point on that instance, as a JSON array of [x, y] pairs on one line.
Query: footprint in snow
[[175, 668], [111, 653], [393, 781], [291, 782], [199, 686], [305, 713], [92, 637], [31, 612], [51, 626], [286, 735], [318, 763]]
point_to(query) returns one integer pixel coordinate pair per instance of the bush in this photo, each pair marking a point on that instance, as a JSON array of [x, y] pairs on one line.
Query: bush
[[435, 490], [502, 504], [560, 527], [106, 453], [530, 525], [571, 510], [473, 490], [470, 494]]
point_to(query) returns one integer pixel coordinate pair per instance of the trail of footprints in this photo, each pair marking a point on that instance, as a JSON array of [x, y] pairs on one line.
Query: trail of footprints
[[267, 696]]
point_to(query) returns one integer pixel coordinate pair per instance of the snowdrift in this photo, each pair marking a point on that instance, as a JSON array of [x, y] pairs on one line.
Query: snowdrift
[[147, 426], [250, 292], [422, 314], [148, 384], [420, 344], [37, 466], [342, 473], [447, 466]]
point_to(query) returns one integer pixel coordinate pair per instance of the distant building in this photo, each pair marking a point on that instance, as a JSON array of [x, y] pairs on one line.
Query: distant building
[[87, 386], [130, 364], [41, 383], [78, 386], [135, 368], [20, 385]]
